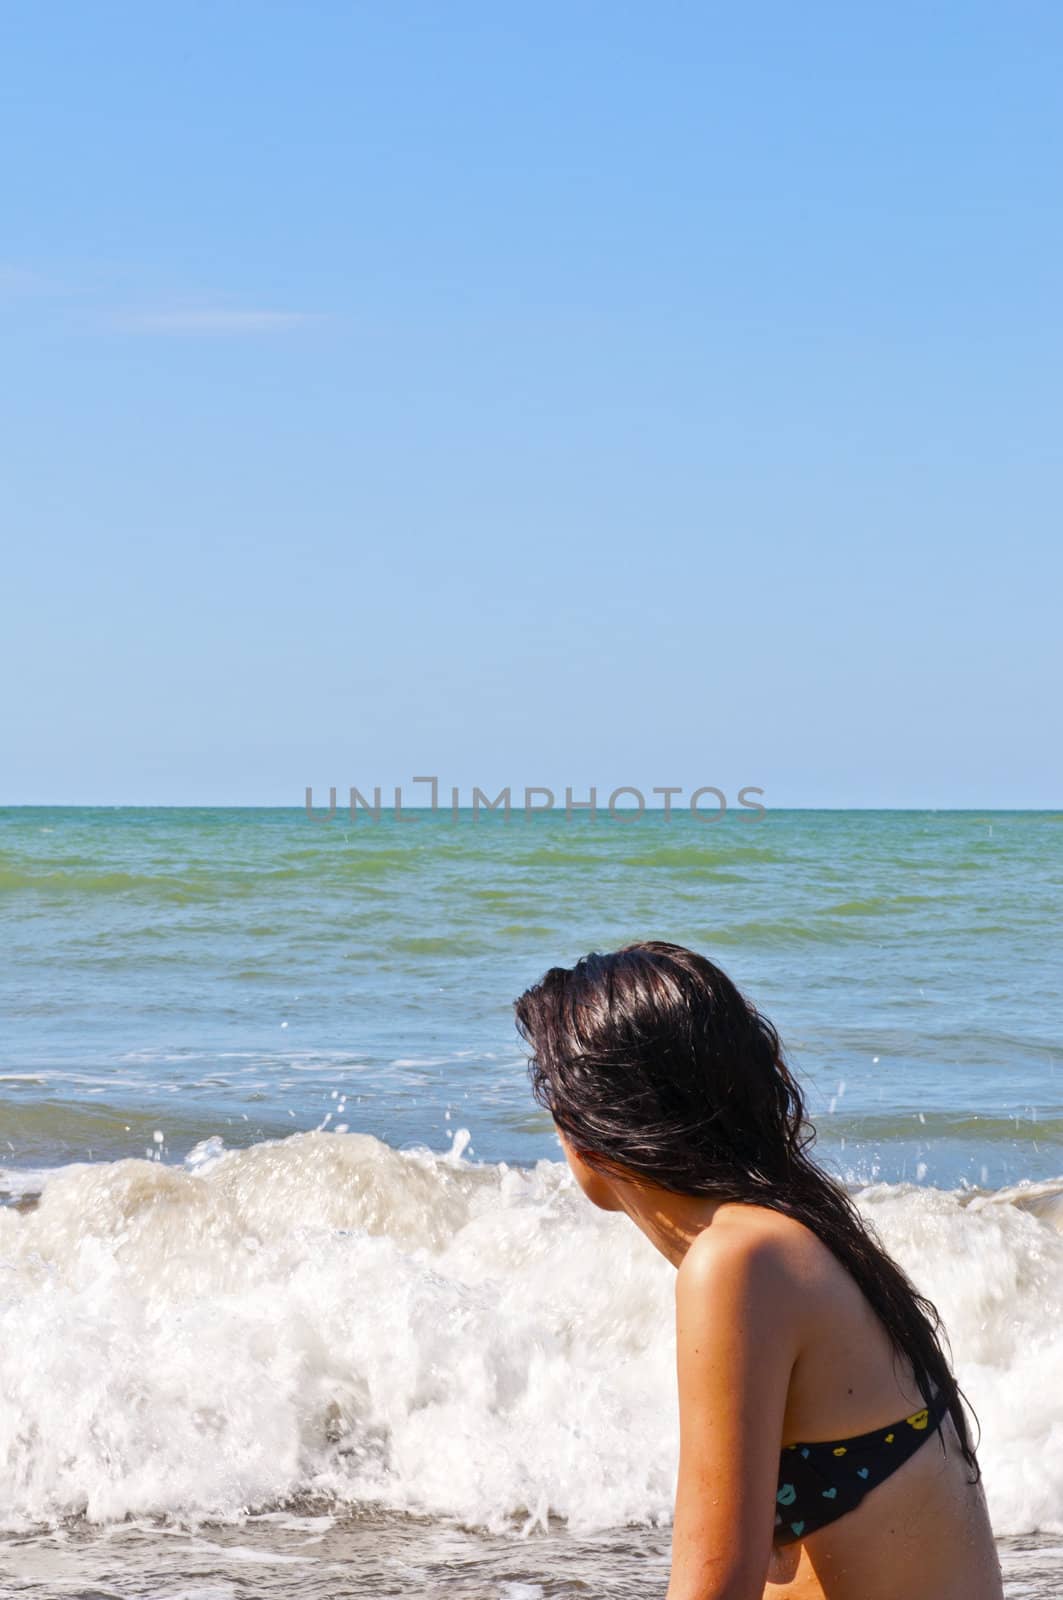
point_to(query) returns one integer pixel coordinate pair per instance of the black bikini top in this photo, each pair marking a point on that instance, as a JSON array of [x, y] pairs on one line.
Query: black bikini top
[[821, 1480]]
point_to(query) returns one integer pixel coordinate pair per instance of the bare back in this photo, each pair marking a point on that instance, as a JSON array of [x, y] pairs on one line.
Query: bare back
[[923, 1533]]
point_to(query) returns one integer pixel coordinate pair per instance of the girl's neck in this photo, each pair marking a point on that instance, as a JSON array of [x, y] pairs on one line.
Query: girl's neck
[[671, 1222]]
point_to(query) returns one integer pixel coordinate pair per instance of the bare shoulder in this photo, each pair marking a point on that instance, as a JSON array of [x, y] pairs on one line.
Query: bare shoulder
[[763, 1236], [753, 1251], [741, 1261]]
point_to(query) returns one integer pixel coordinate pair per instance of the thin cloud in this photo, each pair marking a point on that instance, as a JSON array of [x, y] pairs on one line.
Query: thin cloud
[[217, 322]]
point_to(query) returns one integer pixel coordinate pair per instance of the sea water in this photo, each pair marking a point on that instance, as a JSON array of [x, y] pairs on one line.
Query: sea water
[[296, 1294]]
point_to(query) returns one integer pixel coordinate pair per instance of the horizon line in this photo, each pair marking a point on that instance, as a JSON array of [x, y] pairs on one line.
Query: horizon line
[[516, 810]]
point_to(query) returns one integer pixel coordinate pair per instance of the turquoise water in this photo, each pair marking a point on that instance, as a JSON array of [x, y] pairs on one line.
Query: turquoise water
[[296, 1295], [200, 972]]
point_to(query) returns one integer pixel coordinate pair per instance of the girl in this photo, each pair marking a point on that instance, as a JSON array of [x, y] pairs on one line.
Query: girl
[[824, 1451]]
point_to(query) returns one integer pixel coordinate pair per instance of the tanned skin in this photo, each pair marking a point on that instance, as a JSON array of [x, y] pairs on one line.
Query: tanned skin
[[775, 1344]]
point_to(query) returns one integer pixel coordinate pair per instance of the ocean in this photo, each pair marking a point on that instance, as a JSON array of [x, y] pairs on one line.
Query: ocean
[[296, 1293]]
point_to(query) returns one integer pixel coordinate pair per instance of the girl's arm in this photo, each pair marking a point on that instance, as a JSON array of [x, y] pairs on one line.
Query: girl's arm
[[736, 1344]]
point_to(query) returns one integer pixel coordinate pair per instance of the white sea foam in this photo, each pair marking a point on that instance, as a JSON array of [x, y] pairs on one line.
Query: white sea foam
[[326, 1314]]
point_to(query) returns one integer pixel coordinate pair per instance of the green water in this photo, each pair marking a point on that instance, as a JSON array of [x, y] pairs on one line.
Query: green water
[[243, 973]]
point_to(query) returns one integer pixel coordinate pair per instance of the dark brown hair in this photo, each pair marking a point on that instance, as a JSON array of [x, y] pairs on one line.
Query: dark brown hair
[[656, 1068]]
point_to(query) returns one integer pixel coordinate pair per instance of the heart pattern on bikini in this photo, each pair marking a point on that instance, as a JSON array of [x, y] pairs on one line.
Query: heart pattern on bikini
[[788, 1494]]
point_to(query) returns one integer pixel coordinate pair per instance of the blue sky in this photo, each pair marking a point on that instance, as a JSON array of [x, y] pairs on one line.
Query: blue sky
[[557, 394]]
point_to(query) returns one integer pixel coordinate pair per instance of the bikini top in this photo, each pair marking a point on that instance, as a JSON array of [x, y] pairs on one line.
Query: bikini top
[[821, 1480]]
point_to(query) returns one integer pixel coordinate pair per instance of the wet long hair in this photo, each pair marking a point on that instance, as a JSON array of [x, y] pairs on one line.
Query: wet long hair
[[658, 1070]]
